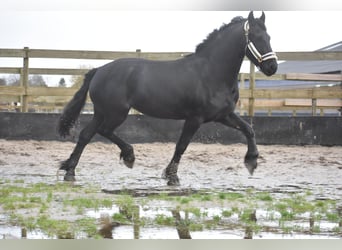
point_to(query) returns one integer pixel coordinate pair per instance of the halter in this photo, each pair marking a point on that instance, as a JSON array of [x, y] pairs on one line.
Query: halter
[[254, 51]]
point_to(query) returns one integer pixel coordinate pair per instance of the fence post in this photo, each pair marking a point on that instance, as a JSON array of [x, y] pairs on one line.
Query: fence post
[[251, 88], [314, 107], [138, 51], [242, 86], [133, 111], [24, 80]]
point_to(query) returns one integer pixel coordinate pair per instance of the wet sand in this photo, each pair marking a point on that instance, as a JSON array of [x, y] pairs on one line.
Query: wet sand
[[281, 169]]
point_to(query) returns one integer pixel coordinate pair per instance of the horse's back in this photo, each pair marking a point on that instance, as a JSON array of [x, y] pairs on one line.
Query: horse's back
[[111, 79]]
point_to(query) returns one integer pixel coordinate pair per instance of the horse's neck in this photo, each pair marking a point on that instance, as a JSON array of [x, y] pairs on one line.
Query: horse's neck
[[226, 53]]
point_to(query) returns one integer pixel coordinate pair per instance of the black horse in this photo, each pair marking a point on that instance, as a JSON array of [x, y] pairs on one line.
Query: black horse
[[198, 88]]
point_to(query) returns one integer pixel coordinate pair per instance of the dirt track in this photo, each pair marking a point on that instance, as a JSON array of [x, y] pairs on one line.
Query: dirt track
[[204, 166]]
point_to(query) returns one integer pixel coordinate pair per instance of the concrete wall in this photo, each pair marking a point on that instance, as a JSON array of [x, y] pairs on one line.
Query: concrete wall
[[143, 129]]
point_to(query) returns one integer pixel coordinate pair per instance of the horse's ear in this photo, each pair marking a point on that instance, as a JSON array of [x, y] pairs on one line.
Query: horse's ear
[[262, 18], [251, 17]]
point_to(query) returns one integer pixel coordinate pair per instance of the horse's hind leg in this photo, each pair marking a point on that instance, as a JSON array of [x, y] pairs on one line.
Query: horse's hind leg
[[84, 138], [127, 152], [189, 129], [106, 130]]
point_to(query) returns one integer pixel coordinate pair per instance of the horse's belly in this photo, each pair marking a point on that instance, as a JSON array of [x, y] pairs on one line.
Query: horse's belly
[[159, 112]]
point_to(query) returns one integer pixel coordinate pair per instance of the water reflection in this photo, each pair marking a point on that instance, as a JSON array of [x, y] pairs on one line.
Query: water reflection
[[182, 225], [106, 226], [250, 224], [143, 222]]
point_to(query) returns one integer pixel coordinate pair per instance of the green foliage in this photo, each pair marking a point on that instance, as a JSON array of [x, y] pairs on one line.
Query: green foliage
[[184, 200], [127, 206], [82, 203], [227, 213], [60, 228], [196, 227], [120, 218], [164, 220], [264, 196], [87, 225], [194, 210], [233, 196]]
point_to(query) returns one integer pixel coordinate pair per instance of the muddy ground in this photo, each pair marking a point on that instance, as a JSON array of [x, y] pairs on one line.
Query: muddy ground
[[281, 169]]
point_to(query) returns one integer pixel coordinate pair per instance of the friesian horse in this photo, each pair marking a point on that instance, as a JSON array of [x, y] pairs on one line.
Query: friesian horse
[[198, 88]]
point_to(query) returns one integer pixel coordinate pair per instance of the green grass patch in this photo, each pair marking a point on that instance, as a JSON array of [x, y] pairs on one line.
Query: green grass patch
[[233, 196], [120, 218], [263, 196], [227, 213], [194, 210], [164, 220], [196, 227], [83, 203]]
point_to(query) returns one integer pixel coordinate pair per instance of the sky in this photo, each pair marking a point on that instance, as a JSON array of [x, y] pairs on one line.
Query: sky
[[158, 30], [152, 31]]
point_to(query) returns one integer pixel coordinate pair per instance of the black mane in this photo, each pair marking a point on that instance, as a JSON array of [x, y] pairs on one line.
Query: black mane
[[215, 33]]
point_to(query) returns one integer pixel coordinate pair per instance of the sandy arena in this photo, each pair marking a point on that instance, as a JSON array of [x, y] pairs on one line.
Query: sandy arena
[[281, 169]]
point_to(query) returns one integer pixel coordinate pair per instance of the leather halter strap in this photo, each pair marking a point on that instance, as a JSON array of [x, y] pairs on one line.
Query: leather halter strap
[[254, 51]]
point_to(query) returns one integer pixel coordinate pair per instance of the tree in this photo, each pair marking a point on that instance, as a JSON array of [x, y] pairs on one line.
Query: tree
[[13, 80], [37, 81], [62, 83], [76, 81], [3, 82]]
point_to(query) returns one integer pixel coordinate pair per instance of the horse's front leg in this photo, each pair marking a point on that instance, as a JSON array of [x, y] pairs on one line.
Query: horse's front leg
[[189, 129], [234, 121]]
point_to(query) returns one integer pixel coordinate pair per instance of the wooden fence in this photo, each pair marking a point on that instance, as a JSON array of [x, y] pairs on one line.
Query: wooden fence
[[252, 99]]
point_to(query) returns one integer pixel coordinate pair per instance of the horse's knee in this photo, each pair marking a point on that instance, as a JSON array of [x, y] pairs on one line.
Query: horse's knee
[[250, 132]]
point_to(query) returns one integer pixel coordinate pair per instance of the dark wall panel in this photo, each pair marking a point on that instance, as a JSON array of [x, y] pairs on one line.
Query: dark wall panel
[[143, 129]]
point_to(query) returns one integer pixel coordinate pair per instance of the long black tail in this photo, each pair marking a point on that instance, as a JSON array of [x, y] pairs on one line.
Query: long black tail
[[74, 107]]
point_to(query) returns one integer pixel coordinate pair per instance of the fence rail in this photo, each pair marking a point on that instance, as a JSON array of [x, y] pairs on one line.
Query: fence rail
[[252, 99]]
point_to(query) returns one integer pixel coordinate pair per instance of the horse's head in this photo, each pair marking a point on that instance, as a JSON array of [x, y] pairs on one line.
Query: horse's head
[[258, 48]]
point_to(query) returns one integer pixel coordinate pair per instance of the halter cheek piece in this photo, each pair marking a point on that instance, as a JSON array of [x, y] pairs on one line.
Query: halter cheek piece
[[254, 51]]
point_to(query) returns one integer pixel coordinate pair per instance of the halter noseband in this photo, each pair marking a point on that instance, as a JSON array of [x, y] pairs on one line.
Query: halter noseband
[[254, 51]]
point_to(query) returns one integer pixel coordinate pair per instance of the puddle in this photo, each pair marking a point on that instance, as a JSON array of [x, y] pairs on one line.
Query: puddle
[[145, 226], [16, 232]]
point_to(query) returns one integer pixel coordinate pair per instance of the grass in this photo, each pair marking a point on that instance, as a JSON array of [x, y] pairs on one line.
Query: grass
[[82, 203], [164, 220], [35, 201], [29, 205], [194, 210], [120, 218]]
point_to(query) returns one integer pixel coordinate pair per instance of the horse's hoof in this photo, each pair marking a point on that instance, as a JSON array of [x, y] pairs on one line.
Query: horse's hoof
[[251, 163], [170, 174], [129, 164], [128, 158], [68, 177], [173, 180]]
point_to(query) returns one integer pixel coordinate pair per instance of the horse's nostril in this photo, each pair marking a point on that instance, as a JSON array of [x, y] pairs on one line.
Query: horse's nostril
[[274, 67]]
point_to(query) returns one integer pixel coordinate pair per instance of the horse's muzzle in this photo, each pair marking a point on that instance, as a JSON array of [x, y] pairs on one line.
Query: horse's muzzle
[[269, 67]]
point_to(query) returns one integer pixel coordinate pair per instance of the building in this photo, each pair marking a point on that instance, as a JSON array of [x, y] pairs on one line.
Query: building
[[312, 67]]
